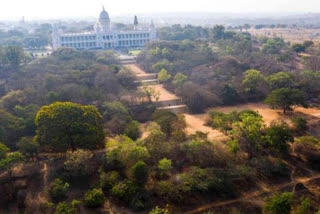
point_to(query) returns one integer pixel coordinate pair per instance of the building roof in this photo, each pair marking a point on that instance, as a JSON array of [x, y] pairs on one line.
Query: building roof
[[104, 16]]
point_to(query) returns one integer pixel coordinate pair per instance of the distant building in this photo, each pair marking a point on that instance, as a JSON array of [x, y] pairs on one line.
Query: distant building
[[104, 36]]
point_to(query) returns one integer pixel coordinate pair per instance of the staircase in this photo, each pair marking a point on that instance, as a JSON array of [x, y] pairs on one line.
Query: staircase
[[167, 100], [147, 79], [126, 60]]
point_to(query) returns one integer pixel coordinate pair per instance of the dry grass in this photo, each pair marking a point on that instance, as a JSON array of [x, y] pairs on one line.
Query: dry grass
[[296, 35]]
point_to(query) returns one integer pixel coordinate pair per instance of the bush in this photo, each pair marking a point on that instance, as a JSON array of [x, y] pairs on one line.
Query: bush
[[124, 190], [163, 76], [300, 125], [164, 165], [108, 180], [10, 160], [270, 169], [64, 208], [279, 204], [158, 210], [3, 150], [304, 207], [77, 163], [58, 190], [28, 147], [133, 130], [94, 198], [140, 172]]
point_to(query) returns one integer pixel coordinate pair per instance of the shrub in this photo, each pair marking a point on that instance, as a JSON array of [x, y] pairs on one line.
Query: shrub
[[77, 163], [108, 180], [300, 125], [304, 207], [158, 210], [133, 130], [163, 76], [28, 147], [10, 160], [140, 172], [3, 150], [279, 204], [124, 190], [278, 136], [94, 198], [58, 190], [64, 208], [164, 165]]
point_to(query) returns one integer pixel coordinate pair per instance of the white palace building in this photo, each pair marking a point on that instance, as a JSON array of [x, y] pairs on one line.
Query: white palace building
[[104, 36]]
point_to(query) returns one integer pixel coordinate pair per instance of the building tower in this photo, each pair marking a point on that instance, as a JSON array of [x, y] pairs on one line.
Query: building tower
[[135, 22], [104, 20]]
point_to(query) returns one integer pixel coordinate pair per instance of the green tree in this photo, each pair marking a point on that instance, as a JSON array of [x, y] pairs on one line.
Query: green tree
[[164, 165], [179, 79], [94, 198], [218, 32], [10, 160], [279, 204], [286, 98], [125, 152], [169, 122], [248, 131], [64, 208], [28, 146], [3, 151], [229, 95], [11, 128], [77, 163], [278, 135], [58, 190], [124, 190], [304, 207], [254, 82], [14, 56], [108, 180], [298, 48], [140, 172], [280, 80], [115, 109], [163, 76], [133, 130], [61, 126]]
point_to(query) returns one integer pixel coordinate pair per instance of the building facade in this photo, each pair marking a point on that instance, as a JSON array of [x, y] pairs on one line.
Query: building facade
[[104, 36]]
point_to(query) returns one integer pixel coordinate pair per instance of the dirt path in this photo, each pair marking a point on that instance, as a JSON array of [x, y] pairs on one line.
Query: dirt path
[[164, 93], [138, 71], [196, 123], [252, 196]]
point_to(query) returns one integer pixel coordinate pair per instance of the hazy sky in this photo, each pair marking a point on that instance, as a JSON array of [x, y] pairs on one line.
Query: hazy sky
[[12, 9]]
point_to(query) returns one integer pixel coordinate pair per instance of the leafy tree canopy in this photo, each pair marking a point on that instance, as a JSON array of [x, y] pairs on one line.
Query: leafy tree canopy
[[65, 125]]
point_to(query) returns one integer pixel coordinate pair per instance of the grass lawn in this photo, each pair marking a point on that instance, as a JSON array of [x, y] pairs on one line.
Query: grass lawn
[[135, 52]]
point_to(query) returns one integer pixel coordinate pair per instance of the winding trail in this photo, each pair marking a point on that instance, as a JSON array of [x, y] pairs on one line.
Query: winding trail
[[252, 196]]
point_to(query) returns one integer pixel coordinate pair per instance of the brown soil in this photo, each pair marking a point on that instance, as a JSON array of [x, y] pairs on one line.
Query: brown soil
[[196, 123], [138, 71], [164, 93], [267, 113]]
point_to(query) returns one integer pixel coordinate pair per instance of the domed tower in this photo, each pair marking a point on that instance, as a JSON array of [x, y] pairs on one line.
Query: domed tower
[[104, 20]]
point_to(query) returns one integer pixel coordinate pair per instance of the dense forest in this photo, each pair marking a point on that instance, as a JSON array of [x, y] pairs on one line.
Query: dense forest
[[77, 132]]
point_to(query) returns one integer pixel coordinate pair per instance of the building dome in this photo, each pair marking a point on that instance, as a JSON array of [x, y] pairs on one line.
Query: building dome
[[104, 16]]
